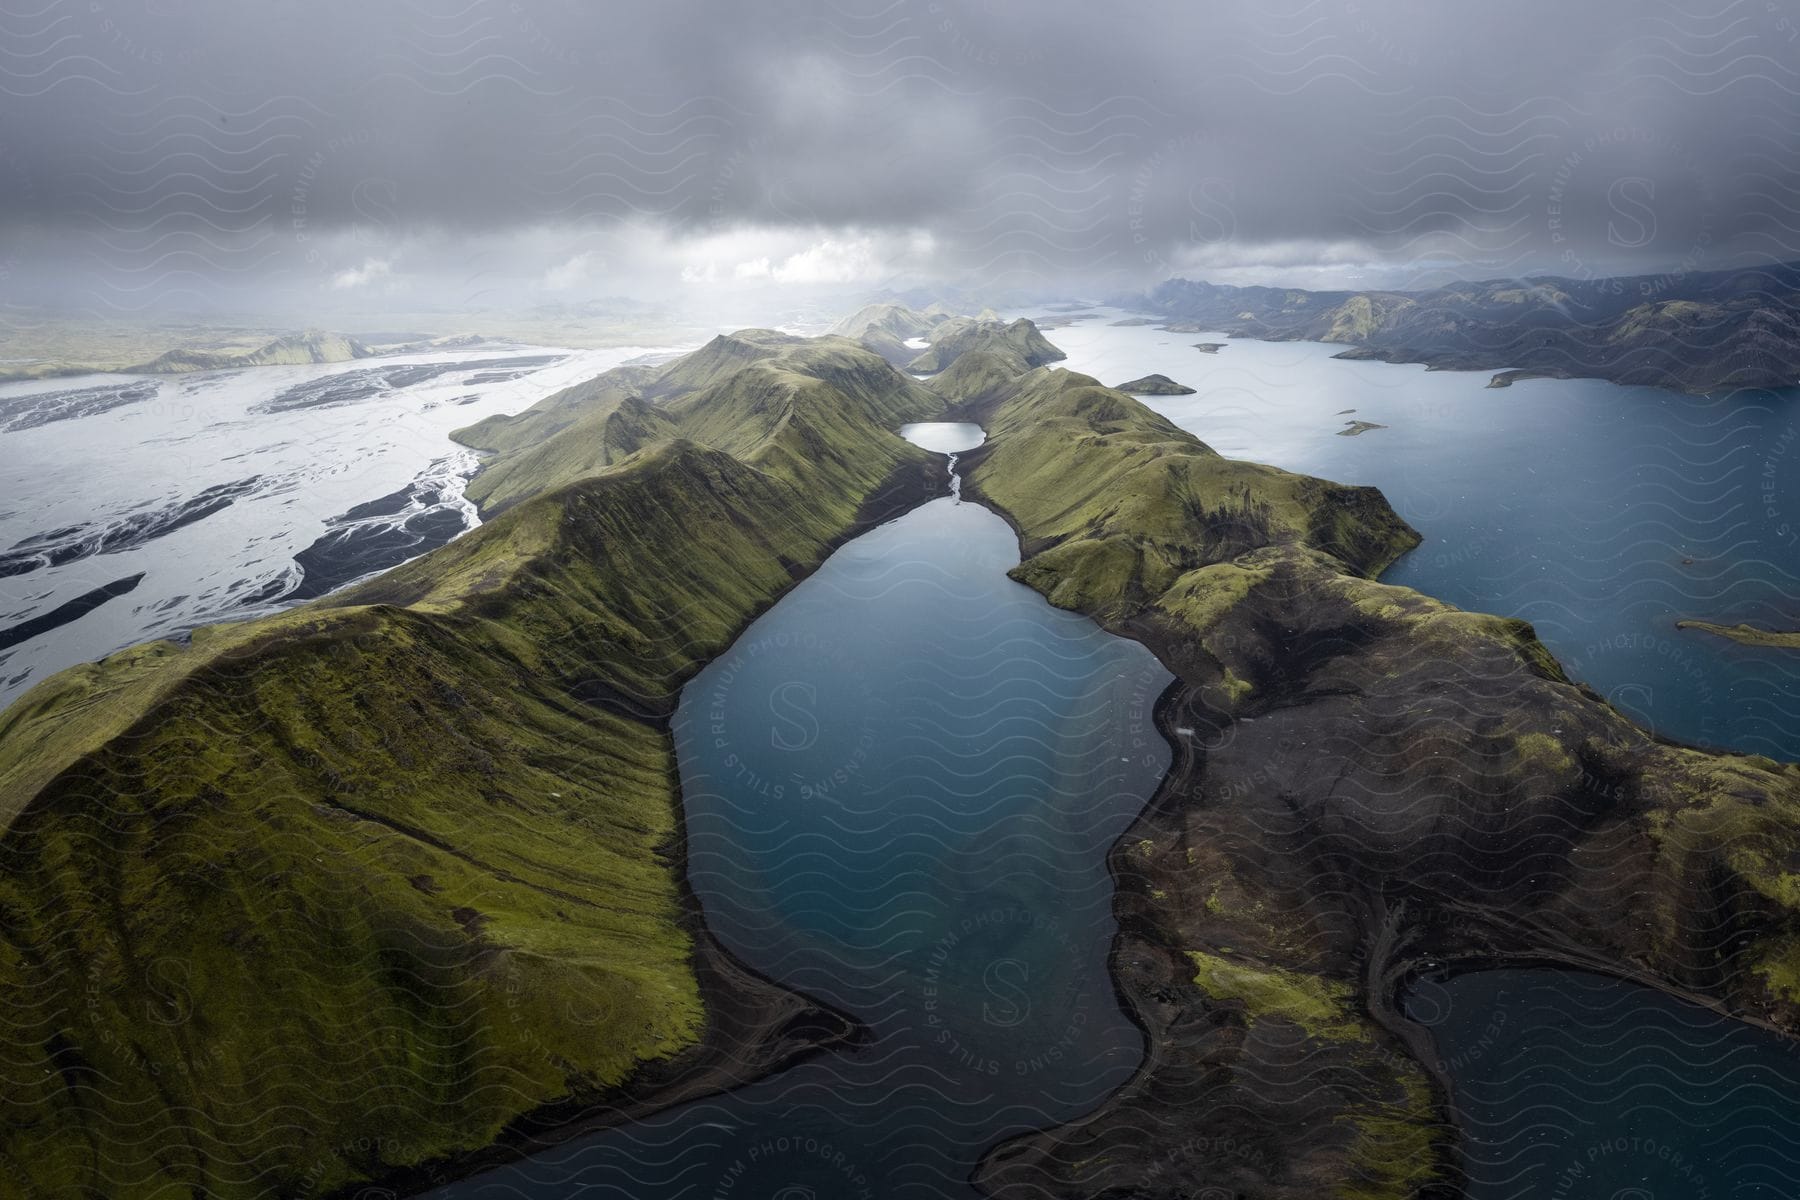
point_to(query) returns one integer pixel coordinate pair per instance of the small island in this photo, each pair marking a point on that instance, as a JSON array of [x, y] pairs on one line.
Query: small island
[[1156, 385], [1209, 347], [1356, 428], [1748, 635], [1508, 378]]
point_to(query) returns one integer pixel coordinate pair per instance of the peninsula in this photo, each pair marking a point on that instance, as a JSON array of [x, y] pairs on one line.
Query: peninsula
[[1748, 635]]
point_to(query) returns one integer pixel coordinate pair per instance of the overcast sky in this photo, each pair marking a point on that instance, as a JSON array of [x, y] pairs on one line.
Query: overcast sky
[[160, 154]]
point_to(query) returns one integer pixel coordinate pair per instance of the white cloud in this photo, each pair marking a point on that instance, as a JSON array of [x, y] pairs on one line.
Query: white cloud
[[355, 277], [847, 259], [1299, 263], [571, 273], [832, 261]]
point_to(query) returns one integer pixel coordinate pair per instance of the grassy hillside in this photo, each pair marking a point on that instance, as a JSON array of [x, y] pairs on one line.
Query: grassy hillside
[[886, 327], [895, 320], [558, 411], [977, 377], [352, 887], [795, 406], [1748, 635], [364, 850], [952, 339], [605, 432], [1116, 504], [797, 414]]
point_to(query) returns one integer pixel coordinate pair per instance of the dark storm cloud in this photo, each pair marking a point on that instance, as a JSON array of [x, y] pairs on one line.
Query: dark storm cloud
[[212, 142]]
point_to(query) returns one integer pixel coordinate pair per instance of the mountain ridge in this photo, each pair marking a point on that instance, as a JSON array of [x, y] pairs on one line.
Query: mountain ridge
[[461, 777], [312, 346], [1695, 331], [445, 800]]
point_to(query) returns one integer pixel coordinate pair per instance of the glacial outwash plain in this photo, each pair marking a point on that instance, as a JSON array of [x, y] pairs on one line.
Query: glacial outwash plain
[[391, 886]]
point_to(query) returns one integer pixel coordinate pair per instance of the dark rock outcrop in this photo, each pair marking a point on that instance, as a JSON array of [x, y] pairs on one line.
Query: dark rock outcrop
[[1365, 780]]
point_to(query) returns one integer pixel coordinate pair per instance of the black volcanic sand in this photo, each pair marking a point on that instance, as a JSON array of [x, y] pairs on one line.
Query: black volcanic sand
[[346, 554], [374, 536], [348, 387], [42, 408], [57, 546], [71, 610]]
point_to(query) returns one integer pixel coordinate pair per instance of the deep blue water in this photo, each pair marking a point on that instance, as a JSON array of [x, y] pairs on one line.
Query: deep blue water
[[1571, 1086], [900, 785], [1601, 514]]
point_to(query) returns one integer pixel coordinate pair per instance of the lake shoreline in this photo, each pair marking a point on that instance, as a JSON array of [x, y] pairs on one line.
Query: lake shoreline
[[1746, 635], [782, 1026], [1543, 507], [1393, 930]]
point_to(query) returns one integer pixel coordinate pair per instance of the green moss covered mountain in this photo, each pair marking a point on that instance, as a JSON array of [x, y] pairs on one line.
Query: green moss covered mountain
[[367, 885], [353, 887]]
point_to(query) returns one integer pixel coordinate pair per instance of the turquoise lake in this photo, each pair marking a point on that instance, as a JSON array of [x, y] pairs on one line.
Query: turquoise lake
[[900, 785]]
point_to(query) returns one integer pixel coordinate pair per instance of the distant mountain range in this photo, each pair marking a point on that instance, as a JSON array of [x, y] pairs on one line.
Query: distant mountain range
[[80, 350], [313, 346], [944, 338], [1695, 332]]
